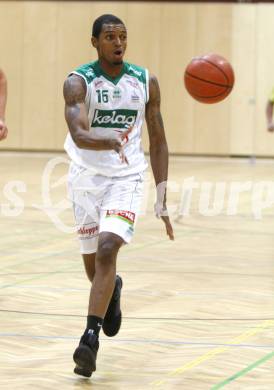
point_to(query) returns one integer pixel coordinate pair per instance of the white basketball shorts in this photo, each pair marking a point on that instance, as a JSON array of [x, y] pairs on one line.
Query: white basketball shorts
[[103, 204]]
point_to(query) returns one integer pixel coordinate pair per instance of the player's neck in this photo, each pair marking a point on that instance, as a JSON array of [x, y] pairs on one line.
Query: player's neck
[[109, 69]]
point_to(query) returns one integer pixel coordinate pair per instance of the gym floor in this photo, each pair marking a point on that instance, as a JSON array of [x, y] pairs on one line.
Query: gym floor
[[198, 312]]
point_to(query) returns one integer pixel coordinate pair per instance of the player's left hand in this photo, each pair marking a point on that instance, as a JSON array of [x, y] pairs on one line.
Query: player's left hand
[[169, 228], [161, 211]]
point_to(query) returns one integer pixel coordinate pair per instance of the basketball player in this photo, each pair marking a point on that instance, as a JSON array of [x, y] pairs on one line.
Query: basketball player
[[269, 112], [3, 101], [105, 105]]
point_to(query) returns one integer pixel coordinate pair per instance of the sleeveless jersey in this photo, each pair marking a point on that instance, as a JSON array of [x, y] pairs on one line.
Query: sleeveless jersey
[[113, 105]]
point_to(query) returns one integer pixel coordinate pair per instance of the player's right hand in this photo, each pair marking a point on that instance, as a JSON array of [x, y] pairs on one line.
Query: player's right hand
[[117, 145], [270, 127], [3, 130]]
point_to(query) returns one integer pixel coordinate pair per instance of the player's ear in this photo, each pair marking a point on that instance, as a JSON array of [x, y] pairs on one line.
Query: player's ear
[[94, 42]]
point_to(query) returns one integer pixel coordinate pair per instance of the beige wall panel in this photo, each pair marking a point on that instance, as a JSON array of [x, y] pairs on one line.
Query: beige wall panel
[[11, 37], [242, 98], [116, 8], [73, 49], [144, 35], [144, 40], [212, 122], [178, 22], [39, 75], [264, 141], [48, 39]]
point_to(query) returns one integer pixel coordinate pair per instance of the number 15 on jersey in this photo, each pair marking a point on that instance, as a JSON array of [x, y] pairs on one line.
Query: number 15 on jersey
[[102, 95]]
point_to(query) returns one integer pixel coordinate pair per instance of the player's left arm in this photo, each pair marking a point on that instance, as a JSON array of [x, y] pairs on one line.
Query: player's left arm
[[3, 101], [158, 147]]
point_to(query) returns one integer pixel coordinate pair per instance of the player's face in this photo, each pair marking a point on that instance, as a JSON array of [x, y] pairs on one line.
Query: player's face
[[112, 43]]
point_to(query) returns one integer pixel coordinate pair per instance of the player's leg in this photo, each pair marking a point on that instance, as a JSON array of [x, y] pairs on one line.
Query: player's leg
[[87, 193], [116, 227], [86, 353], [99, 253], [89, 263], [112, 319], [101, 269], [119, 214], [105, 273], [113, 316], [85, 206]]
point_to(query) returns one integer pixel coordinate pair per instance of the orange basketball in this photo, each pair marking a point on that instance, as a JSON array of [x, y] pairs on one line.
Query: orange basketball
[[209, 78]]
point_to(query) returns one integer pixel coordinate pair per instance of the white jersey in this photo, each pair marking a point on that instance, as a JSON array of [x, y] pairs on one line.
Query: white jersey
[[113, 105]]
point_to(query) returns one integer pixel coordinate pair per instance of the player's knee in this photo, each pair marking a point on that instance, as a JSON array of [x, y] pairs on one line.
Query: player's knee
[[107, 250]]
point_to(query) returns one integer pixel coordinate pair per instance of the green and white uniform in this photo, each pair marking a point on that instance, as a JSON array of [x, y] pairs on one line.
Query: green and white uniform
[[106, 193], [113, 105]]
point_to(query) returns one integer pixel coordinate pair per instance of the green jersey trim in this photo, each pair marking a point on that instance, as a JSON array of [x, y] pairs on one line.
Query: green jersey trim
[[86, 71], [100, 72], [93, 69], [141, 74], [136, 71]]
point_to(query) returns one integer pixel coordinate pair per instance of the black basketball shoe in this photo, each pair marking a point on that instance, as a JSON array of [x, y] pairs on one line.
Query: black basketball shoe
[[86, 353], [113, 317]]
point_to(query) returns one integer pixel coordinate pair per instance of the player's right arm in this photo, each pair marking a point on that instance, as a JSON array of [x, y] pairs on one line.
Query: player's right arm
[[77, 117], [3, 102]]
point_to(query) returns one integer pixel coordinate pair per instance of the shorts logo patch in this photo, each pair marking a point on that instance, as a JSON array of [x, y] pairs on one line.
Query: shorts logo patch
[[88, 232], [126, 216]]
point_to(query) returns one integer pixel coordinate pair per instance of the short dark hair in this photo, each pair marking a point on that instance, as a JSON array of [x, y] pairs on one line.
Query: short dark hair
[[104, 19]]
